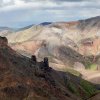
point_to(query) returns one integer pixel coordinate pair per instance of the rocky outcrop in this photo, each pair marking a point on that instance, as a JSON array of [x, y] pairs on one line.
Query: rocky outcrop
[[3, 41], [33, 59]]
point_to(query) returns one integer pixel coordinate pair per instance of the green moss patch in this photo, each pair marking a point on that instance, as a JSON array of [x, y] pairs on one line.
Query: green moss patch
[[72, 88], [91, 66], [88, 88]]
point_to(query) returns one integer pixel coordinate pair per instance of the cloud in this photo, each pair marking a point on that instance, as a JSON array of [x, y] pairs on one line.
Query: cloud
[[48, 4], [23, 12]]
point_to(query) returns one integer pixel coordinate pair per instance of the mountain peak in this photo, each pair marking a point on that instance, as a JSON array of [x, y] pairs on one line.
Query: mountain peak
[[45, 23]]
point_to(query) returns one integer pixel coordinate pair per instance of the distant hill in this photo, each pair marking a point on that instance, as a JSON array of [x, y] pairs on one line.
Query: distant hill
[[89, 23], [46, 23], [6, 30], [27, 27]]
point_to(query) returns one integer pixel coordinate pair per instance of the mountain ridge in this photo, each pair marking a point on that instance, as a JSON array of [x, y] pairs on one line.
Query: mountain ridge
[[25, 78]]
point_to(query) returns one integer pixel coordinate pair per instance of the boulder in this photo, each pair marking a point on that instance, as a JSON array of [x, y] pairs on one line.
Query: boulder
[[33, 59], [46, 64]]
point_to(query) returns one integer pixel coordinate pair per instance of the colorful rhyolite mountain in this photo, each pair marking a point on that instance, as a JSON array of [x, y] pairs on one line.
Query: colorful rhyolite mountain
[[73, 50], [67, 44]]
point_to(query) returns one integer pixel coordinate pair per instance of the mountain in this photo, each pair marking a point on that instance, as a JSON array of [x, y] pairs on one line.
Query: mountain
[[5, 31], [67, 34], [23, 78], [4, 28], [73, 44], [88, 23], [45, 23], [27, 27]]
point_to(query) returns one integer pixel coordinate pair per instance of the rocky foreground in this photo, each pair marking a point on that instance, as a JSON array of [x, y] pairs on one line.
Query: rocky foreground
[[23, 78]]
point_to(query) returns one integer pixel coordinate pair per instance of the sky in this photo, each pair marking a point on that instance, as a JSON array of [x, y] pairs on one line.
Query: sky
[[21, 13]]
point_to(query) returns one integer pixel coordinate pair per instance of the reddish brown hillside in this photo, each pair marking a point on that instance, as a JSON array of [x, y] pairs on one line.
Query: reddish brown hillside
[[21, 78]]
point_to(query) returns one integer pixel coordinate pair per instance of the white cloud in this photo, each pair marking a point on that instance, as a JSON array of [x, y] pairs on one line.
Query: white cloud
[[46, 10], [48, 4]]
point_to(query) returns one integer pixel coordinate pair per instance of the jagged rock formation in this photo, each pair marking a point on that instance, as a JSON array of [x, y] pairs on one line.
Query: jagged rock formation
[[3, 41], [33, 59]]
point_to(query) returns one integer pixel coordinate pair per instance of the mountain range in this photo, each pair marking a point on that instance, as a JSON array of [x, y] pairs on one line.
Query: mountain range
[[73, 51], [52, 39], [23, 78]]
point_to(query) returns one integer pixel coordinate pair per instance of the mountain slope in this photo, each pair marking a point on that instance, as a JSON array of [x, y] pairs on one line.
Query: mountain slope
[[4, 31], [24, 78], [62, 34]]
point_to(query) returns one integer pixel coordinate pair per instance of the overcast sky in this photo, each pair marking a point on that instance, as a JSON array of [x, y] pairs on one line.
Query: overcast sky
[[20, 13]]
